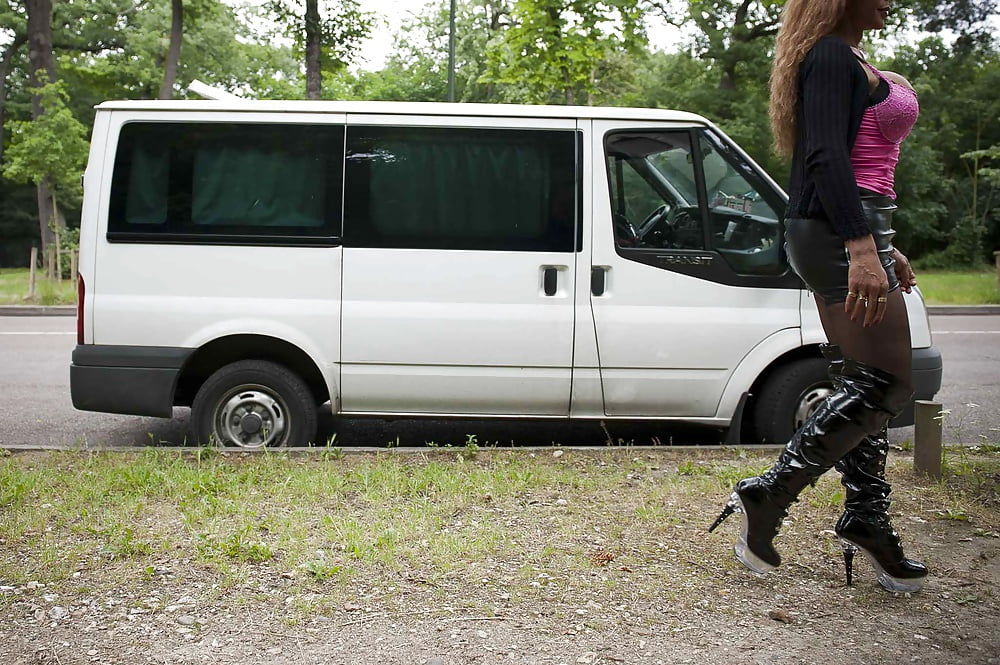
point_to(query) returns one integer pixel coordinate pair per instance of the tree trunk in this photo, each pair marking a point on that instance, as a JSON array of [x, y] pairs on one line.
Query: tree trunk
[[174, 54], [42, 65], [45, 216], [314, 81], [8, 57]]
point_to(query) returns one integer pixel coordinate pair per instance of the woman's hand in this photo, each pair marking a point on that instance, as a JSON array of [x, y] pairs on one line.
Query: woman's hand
[[867, 284], [904, 271]]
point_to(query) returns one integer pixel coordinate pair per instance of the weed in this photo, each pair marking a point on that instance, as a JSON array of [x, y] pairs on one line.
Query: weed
[[121, 542], [954, 515], [905, 446], [471, 449], [692, 468], [238, 545], [321, 569]]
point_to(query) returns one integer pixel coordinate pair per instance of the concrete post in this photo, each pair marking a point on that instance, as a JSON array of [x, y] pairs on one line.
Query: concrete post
[[927, 438], [32, 272]]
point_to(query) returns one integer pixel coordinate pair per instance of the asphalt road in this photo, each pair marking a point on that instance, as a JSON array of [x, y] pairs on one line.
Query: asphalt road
[[35, 406]]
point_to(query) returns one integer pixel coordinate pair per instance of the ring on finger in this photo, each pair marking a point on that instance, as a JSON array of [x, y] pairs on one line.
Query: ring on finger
[[852, 294], [883, 299]]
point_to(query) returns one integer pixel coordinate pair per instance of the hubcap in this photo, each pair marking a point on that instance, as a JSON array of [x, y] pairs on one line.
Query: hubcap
[[809, 402], [250, 418]]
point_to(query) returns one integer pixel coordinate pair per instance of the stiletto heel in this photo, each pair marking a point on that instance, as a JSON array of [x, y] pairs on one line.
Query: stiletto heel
[[898, 576], [728, 510], [849, 550], [865, 524]]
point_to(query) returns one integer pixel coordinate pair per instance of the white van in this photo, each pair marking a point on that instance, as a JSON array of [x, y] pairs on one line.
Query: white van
[[257, 259]]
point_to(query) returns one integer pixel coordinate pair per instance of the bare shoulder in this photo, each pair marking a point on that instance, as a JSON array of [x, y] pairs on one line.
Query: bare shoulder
[[897, 79]]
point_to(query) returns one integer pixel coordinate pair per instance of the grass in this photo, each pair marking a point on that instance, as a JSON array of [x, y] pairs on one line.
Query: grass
[[14, 289], [518, 523], [939, 288], [959, 288]]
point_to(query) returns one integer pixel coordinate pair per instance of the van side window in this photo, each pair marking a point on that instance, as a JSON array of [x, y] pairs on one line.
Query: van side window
[[743, 219], [227, 182], [654, 196], [461, 188], [690, 190]]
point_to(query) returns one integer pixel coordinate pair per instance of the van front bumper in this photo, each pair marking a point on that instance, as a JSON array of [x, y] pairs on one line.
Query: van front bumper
[[132, 380], [926, 373]]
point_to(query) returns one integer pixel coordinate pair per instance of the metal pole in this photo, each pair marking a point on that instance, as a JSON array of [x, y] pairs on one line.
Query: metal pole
[[451, 53]]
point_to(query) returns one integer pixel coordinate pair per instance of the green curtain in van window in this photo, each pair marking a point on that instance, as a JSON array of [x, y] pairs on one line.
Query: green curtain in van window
[[147, 187], [460, 190], [253, 187]]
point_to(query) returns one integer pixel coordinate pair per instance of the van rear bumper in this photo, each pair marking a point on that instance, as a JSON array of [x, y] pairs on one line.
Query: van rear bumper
[[132, 380], [926, 374]]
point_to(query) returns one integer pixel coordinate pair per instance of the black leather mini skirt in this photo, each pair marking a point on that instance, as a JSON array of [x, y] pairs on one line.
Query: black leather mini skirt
[[818, 256]]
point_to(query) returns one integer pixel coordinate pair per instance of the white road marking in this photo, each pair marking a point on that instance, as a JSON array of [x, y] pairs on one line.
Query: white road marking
[[965, 332]]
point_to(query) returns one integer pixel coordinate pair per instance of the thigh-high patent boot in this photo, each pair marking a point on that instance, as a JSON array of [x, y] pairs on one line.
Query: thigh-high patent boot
[[864, 401]]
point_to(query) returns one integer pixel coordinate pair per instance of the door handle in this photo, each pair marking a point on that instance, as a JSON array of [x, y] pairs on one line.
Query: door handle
[[598, 280], [550, 282]]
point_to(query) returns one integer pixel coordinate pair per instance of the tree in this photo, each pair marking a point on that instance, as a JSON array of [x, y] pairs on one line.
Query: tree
[[554, 49], [969, 19], [731, 33], [416, 68], [42, 70], [174, 54], [947, 212], [51, 149], [327, 33], [13, 19]]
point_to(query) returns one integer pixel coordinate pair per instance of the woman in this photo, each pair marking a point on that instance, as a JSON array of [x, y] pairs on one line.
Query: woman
[[842, 121]]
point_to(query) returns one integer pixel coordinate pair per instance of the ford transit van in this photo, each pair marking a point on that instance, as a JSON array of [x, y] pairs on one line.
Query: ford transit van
[[254, 260]]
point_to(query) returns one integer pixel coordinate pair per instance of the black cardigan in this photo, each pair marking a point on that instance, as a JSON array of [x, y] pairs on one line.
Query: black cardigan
[[833, 94]]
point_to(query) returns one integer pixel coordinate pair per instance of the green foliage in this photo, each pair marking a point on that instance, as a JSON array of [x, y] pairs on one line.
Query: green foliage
[[517, 51], [342, 28], [948, 208], [555, 51], [52, 147]]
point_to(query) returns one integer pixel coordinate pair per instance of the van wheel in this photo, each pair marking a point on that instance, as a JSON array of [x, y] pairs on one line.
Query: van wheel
[[789, 397], [253, 404]]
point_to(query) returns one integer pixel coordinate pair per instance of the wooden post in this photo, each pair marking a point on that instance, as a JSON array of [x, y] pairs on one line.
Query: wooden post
[[73, 267], [996, 257], [55, 228], [927, 438], [31, 273], [58, 252], [50, 262]]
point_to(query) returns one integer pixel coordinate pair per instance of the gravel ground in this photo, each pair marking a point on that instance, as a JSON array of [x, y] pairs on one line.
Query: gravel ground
[[670, 593]]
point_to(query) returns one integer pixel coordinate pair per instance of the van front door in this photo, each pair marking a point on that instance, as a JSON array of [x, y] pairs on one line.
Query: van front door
[[688, 270], [459, 258]]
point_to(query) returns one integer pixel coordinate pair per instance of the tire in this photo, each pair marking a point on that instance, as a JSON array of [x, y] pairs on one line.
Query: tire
[[789, 397], [254, 404]]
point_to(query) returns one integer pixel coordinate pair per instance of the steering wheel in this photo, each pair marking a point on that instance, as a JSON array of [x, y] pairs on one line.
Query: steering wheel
[[625, 232], [652, 219]]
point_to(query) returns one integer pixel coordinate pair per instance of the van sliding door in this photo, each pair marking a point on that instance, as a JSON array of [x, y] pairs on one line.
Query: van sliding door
[[459, 258]]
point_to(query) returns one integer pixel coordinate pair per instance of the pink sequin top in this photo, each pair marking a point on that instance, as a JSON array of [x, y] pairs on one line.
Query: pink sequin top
[[883, 128]]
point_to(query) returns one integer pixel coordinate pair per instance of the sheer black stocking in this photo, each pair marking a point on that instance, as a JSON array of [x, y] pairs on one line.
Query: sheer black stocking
[[885, 345]]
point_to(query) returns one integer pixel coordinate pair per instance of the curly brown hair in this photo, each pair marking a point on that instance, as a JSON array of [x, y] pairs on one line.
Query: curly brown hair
[[803, 23]]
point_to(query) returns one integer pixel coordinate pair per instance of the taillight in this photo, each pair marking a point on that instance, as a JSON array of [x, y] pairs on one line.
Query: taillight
[[81, 290]]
